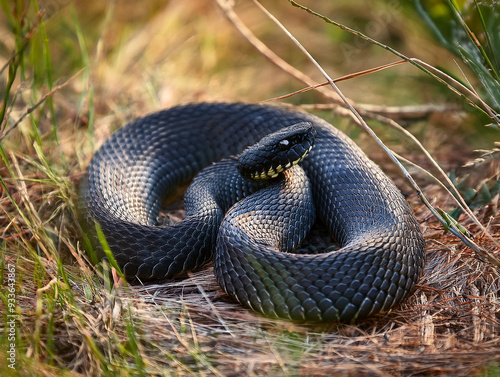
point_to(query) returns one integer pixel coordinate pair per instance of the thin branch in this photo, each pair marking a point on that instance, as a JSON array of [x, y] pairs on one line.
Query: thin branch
[[428, 69], [342, 78]]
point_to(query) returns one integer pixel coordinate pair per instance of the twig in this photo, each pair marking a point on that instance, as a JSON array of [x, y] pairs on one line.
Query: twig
[[484, 254], [394, 112], [427, 68]]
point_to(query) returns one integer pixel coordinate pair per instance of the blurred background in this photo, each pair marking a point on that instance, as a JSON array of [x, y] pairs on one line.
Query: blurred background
[[72, 72], [130, 59]]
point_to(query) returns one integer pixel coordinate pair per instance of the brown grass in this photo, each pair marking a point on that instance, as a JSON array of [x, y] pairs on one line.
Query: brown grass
[[73, 319]]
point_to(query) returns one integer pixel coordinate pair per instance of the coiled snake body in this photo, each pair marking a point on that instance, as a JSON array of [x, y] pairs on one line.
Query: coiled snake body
[[381, 253]]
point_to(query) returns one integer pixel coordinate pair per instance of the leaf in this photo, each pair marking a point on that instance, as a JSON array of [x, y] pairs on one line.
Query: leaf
[[452, 223]]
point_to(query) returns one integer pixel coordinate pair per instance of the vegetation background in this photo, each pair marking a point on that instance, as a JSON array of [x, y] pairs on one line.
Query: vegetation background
[[72, 72]]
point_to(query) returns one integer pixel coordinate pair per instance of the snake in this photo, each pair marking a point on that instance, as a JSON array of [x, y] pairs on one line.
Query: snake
[[240, 224]]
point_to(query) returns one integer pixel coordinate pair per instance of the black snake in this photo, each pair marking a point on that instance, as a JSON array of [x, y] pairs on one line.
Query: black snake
[[381, 253]]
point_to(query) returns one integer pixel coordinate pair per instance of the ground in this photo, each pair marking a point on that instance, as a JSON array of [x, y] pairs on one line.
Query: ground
[[86, 70]]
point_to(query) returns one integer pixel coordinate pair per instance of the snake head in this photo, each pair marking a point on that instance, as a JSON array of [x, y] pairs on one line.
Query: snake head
[[277, 152]]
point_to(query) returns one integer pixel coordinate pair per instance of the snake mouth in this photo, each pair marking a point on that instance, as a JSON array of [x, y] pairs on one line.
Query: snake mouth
[[277, 152], [274, 172]]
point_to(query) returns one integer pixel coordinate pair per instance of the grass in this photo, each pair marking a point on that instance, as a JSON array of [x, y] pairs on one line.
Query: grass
[[467, 30], [71, 76]]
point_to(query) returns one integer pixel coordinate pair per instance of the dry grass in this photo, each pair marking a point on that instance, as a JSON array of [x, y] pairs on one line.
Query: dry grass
[[74, 319]]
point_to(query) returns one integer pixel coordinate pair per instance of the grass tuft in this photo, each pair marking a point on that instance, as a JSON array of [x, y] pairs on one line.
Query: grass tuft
[[469, 31]]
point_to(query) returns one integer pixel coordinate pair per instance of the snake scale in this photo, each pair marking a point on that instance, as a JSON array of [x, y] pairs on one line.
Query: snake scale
[[381, 253]]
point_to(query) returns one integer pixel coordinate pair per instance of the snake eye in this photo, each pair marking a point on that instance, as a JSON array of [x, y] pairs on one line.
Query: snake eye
[[284, 144]]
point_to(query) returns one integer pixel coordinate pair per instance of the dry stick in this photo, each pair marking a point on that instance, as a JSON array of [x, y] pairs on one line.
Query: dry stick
[[338, 79], [392, 112], [355, 115]]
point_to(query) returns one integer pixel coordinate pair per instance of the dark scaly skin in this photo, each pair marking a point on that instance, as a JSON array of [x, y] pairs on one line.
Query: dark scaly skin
[[382, 248]]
